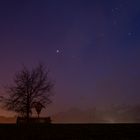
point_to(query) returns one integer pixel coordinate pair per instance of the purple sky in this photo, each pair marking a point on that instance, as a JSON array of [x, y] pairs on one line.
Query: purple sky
[[91, 47]]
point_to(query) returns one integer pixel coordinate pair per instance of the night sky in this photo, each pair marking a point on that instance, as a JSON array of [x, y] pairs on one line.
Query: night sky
[[92, 48]]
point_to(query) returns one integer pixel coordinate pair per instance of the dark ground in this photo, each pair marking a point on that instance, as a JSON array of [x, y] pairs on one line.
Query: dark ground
[[70, 132]]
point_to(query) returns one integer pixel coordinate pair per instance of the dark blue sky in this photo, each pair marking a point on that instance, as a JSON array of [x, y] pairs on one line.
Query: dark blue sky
[[92, 48]]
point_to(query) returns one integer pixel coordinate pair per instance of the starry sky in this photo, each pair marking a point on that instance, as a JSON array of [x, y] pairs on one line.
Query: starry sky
[[91, 47]]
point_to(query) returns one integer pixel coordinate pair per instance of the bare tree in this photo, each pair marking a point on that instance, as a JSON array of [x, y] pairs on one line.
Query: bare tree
[[30, 86]]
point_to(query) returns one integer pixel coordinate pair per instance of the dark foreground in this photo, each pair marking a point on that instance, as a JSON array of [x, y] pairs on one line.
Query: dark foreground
[[70, 132]]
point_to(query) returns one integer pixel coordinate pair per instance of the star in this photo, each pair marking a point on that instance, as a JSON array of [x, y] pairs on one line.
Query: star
[[57, 51], [130, 33]]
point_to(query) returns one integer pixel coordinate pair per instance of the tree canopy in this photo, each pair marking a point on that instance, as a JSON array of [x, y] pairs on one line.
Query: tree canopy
[[29, 87]]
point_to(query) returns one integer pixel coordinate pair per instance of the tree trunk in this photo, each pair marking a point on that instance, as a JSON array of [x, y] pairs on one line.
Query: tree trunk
[[28, 108]]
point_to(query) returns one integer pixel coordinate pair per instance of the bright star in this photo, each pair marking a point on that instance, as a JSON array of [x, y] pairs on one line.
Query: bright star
[[57, 51]]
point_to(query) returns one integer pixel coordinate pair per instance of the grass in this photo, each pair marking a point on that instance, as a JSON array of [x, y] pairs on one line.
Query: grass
[[70, 132]]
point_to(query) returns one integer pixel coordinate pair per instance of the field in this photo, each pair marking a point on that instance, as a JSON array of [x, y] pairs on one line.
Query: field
[[70, 132]]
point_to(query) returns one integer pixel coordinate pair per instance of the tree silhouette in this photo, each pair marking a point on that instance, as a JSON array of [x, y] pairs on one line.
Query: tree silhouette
[[30, 86]]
